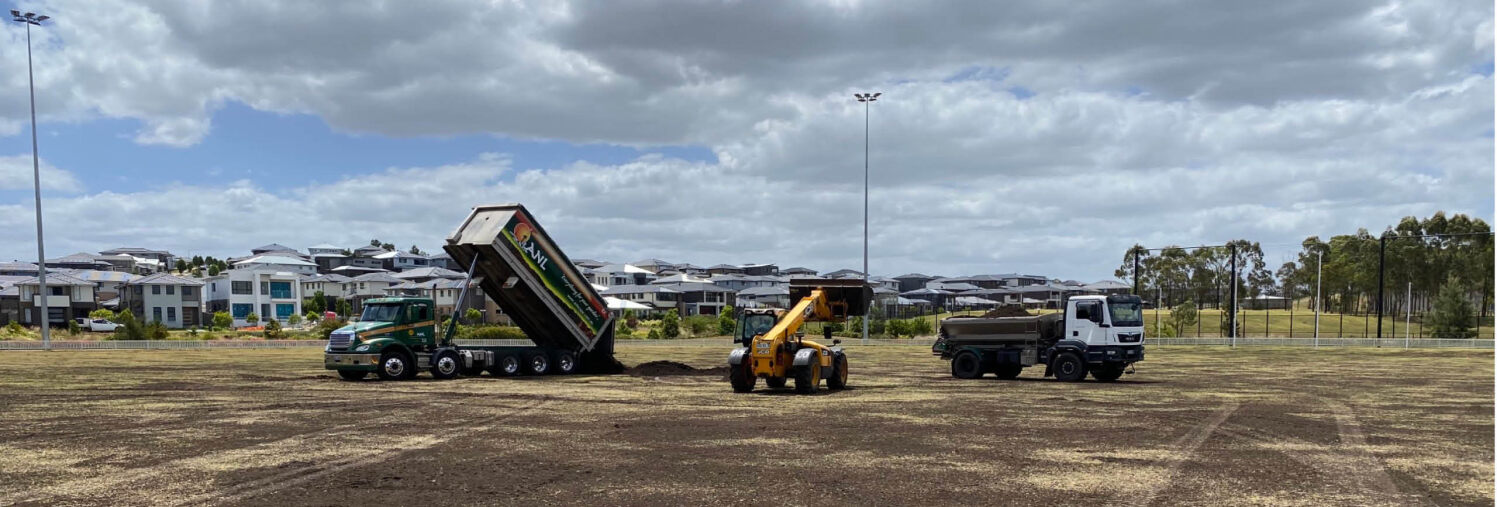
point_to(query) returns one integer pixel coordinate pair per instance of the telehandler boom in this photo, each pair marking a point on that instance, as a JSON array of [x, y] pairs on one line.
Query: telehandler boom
[[775, 350]]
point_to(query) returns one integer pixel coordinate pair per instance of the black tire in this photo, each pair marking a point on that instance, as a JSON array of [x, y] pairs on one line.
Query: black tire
[[808, 377], [1009, 371], [1108, 372], [566, 363], [838, 380], [538, 363], [352, 374], [396, 365], [446, 365], [776, 382], [507, 366], [1069, 368], [966, 365], [743, 378]]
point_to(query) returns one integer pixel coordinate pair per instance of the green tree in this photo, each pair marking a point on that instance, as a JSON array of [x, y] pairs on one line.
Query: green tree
[[343, 308], [317, 303], [181, 265], [725, 323], [1183, 315], [312, 318], [375, 242], [670, 325], [388, 247], [273, 329], [416, 251], [631, 318], [294, 319], [1453, 313], [73, 328], [213, 270], [102, 313], [253, 318], [222, 321], [920, 327], [473, 316]]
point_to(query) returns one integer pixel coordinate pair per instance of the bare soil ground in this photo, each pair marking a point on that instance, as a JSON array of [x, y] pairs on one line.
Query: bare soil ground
[[1200, 426]]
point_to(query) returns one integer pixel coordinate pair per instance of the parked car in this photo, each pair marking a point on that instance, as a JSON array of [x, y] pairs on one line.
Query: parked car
[[100, 325]]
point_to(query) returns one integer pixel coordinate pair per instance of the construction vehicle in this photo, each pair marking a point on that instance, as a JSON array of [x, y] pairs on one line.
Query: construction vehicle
[[775, 350], [511, 257], [1101, 335]]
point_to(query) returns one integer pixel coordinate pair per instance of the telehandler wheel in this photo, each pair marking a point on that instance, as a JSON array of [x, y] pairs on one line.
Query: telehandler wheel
[[776, 382], [743, 378], [352, 374], [1009, 371], [445, 365], [1108, 372], [508, 366], [1069, 368], [838, 380], [808, 378], [396, 365], [566, 363], [539, 363], [966, 365]]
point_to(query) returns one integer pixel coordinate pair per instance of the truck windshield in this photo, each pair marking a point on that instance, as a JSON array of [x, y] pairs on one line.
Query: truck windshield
[[380, 313], [1126, 314], [754, 324]]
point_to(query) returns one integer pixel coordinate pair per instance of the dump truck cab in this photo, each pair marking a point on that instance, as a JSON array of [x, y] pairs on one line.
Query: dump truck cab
[[402, 327]]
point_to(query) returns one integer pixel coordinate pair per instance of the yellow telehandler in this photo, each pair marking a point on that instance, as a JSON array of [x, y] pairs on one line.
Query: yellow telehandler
[[773, 347]]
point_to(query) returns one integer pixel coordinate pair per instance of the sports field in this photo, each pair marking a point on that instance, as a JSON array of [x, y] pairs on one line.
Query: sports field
[[1204, 426]]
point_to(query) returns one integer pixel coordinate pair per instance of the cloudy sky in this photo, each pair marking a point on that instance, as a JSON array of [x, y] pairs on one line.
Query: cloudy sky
[[1042, 137]]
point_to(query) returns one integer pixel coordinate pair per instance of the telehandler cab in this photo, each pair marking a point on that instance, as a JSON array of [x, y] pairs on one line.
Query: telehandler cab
[[775, 350]]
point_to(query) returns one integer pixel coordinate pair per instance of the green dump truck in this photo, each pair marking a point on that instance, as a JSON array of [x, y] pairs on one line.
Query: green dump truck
[[511, 257]]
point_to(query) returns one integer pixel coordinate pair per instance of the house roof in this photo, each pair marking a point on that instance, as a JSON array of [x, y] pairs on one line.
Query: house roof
[[17, 266], [620, 268], [273, 247], [844, 273], [397, 254], [780, 290], [77, 258], [331, 278], [377, 277], [99, 275], [638, 289], [56, 279], [325, 246], [697, 287], [651, 262], [726, 266], [275, 259], [681, 278], [134, 250], [359, 269], [924, 292], [955, 286], [914, 275], [428, 272], [798, 269], [162, 279], [1107, 284]]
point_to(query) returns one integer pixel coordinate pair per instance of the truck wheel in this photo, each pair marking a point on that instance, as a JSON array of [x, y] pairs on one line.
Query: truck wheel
[[808, 378], [838, 380], [1069, 368], [743, 378], [1009, 371], [352, 374], [445, 365], [395, 365], [1108, 372], [566, 363], [539, 363], [775, 382], [966, 365], [507, 366]]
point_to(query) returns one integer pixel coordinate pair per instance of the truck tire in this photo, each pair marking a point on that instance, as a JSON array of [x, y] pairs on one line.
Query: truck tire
[[507, 366], [538, 363], [446, 365], [1108, 372], [743, 378], [566, 363], [775, 382], [1009, 371], [352, 374], [808, 378], [838, 380], [1069, 368], [966, 365], [396, 365]]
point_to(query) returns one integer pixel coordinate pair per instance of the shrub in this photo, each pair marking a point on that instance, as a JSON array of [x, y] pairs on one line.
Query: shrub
[[102, 313], [701, 325], [155, 331], [222, 320], [654, 334], [725, 323], [312, 318], [897, 327], [631, 318], [253, 318], [920, 327], [473, 316], [273, 329], [73, 328], [670, 325], [294, 319], [1183, 316], [497, 333], [130, 329], [14, 328], [326, 327]]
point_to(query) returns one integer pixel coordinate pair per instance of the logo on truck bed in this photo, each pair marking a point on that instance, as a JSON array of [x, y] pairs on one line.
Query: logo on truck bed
[[538, 255]]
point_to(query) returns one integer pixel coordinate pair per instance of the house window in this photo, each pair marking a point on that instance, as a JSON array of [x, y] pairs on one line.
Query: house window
[[187, 291], [280, 290], [264, 311], [171, 314], [156, 313], [155, 289], [284, 310], [57, 291], [241, 288], [241, 310], [171, 289], [265, 287]]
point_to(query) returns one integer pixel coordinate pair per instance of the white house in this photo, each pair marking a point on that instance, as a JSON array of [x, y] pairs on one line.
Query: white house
[[618, 274], [67, 298], [278, 263], [266, 293], [174, 301], [401, 261], [330, 285]]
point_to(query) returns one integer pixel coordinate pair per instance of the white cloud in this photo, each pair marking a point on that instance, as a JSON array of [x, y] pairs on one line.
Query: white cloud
[[17, 173]]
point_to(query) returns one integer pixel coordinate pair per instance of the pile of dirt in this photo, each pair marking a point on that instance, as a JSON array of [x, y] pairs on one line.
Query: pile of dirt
[[672, 368], [1006, 311]]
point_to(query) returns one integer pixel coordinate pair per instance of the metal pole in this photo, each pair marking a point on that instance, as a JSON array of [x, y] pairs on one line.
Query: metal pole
[[1408, 314], [1317, 299], [865, 211], [36, 174], [1382, 248], [1232, 318], [1135, 271]]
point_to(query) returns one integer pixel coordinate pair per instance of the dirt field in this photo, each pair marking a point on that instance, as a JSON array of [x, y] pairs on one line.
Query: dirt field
[[1193, 426]]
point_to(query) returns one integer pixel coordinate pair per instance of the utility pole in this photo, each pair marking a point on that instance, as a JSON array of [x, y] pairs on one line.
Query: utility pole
[[1318, 262], [1136, 290], [1408, 317], [866, 99], [43, 315], [1232, 317], [1382, 249]]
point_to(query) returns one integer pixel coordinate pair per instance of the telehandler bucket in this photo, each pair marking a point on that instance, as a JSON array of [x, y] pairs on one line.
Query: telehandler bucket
[[846, 297]]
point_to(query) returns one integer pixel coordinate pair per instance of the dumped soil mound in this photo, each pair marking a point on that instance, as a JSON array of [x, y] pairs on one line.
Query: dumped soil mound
[[1006, 311], [672, 368]]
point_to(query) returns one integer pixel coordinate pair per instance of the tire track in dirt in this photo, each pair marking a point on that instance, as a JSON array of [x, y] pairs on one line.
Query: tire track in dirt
[[1185, 447], [1373, 475], [300, 475]]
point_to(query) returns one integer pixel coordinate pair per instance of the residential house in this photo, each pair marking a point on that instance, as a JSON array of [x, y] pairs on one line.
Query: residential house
[[352, 271], [1108, 287], [1041, 295], [368, 286], [17, 268], [701, 298], [266, 292], [10, 299], [659, 297], [691, 269], [107, 284], [162, 257], [912, 281], [428, 273], [324, 248], [80, 260], [935, 297], [774, 296], [444, 261], [885, 282], [277, 261], [724, 269], [761, 269], [368, 251], [174, 301], [678, 278], [330, 285], [798, 272], [1001, 295], [737, 283], [583, 264], [401, 261], [1018, 280], [277, 249], [951, 286], [67, 297], [618, 274], [652, 265], [844, 273], [445, 293]]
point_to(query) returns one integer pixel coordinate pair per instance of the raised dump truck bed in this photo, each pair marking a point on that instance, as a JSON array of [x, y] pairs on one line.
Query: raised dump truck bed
[[536, 285]]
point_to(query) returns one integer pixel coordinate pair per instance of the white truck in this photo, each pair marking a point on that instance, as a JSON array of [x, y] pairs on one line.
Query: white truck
[[1101, 335]]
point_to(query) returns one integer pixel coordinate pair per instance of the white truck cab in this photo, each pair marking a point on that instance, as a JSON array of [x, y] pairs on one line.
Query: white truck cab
[[1104, 320]]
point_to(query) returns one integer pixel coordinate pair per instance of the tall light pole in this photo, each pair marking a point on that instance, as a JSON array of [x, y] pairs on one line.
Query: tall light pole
[[1317, 298], [29, 19], [866, 99]]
